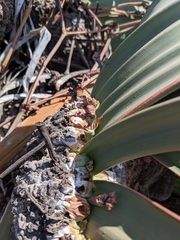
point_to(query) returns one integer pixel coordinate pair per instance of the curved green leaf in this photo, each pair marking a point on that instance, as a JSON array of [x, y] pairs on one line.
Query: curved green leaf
[[152, 82], [157, 7], [133, 217], [132, 55], [149, 75], [151, 131], [5, 224], [176, 189], [171, 160]]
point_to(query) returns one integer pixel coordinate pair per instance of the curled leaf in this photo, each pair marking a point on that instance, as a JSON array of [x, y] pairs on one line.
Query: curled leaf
[[107, 200], [79, 207]]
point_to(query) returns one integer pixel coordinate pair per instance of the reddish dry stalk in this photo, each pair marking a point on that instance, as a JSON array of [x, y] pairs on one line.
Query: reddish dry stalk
[[8, 119], [124, 30], [129, 24], [132, 4], [120, 13], [17, 120], [105, 48], [124, 5], [53, 51], [90, 80], [87, 76], [94, 68], [61, 93], [95, 17]]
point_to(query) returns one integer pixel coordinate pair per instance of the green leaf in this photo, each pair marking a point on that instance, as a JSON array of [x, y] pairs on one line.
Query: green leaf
[[170, 160], [141, 78], [157, 7], [137, 56], [151, 131], [144, 89], [133, 217], [5, 224], [176, 189]]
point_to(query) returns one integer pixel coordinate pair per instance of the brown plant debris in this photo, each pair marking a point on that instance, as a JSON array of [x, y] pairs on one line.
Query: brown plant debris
[[66, 62]]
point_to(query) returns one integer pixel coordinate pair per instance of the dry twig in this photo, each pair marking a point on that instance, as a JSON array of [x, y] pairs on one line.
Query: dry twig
[[10, 52]]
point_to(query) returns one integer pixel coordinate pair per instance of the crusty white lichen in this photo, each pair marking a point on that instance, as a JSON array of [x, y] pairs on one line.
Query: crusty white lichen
[[44, 201]]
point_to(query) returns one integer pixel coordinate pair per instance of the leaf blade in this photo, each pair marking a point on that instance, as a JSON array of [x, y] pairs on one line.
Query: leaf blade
[[108, 79], [170, 160], [133, 217], [151, 131]]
